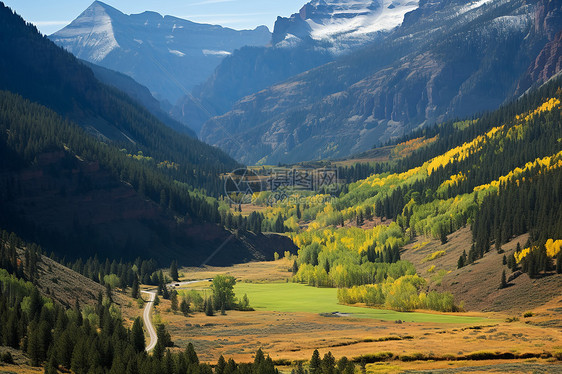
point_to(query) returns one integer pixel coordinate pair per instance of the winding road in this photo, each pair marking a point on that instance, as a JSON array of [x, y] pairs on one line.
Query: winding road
[[148, 308], [148, 321]]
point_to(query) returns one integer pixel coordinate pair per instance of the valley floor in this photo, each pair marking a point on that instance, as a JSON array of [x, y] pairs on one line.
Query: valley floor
[[291, 332]]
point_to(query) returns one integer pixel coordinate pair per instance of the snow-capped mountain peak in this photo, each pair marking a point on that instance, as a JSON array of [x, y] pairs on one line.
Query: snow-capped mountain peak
[[343, 23], [93, 31], [169, 55]]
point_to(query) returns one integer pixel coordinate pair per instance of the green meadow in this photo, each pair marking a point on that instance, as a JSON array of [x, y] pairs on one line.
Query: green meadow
[[295, 297]]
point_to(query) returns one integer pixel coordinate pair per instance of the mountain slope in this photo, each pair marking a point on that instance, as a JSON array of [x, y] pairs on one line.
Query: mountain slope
[[547, 65], [139, 93], [78, 193], [76, 196], [314, 36], [483, 200], [247, 70], [37, 69], [447, 59], [168, 55]]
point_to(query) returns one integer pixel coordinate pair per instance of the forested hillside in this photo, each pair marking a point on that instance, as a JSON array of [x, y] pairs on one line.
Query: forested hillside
[[500, 175], [120, 185], [40, 71], [77, 196]]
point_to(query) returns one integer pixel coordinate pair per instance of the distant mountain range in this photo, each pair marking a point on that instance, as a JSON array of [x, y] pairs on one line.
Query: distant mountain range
[[339, 76], [320, 32], [447, 59], [169, 55]]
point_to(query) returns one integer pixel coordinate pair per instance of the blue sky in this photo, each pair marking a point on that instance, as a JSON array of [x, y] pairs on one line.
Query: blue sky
[[52, 15]]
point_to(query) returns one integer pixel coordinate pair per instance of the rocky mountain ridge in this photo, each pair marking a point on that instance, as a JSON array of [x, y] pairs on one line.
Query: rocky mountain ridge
[[448, 59]]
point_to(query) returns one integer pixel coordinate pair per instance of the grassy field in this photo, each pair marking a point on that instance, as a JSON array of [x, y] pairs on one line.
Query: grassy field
[[294, 297], [292, 320]]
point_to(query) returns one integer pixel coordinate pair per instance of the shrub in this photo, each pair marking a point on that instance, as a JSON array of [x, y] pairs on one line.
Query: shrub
[[7, 358], [374, 357], [486, 355], [413, 357], [433, 256]]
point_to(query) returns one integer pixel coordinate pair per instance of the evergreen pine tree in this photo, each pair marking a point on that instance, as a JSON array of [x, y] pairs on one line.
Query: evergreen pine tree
[[328, 364], [184, 307], [108, 292], [503, 280], [460, 262], [135, 292], [174, 300], [511, 263], [78, 312], [259, 358], [209, 311], [315, 363], [443, 235], [52, 365], [191, 355], [174, 271], [137, 336], [221, 365]]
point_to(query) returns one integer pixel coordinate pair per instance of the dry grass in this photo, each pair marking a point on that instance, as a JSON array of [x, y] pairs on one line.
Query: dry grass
[[477, 284], [449, 367], [20, 363], [294, 336], [255, 272]]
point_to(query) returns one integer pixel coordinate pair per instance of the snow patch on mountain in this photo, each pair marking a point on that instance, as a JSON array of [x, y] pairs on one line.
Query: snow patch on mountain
[[290, 41], [341, 25], [360, 18], [209, 52], [176, 52], [474, 5]]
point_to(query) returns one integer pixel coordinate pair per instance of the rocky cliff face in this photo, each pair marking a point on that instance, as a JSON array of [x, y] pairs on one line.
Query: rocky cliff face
[[320, 32], [547, 64], [548, 19], [448, 59]]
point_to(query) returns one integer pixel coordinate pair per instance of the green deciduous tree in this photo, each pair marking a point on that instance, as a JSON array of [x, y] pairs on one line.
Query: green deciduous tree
[[223, 292]]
